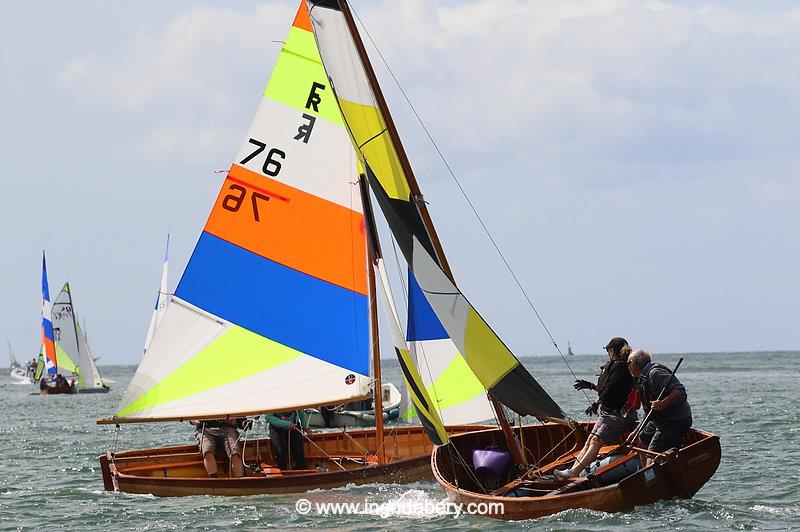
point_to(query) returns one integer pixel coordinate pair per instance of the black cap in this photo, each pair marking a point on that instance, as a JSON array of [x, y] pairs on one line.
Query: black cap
[[616, 344]]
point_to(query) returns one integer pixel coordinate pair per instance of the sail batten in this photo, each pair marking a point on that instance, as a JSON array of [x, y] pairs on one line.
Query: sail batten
[[271, 311]]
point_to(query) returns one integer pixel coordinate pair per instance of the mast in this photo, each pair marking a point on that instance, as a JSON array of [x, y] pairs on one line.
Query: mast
[[416, 193], [415, 190], [373, 253], [77, 332]]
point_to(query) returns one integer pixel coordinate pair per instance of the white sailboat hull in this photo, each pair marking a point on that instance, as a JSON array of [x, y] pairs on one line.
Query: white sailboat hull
[[18, 376]]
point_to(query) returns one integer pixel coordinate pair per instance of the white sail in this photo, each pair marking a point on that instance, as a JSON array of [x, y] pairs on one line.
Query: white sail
[[74, 354], [161, 300]]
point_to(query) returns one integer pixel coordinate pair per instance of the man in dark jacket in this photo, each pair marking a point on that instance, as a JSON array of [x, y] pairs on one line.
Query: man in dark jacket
[[672, 415], [613, 388]]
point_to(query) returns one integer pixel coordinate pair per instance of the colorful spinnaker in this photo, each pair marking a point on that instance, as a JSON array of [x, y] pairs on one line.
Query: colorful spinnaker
[[48, 345], [379, 151], [271, 312], [161, 300]]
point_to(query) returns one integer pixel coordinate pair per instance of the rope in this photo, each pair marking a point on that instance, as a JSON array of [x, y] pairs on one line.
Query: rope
[[332, 459], [466, 197]]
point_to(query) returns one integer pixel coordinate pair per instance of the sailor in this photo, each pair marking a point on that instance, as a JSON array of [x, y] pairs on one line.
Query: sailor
[[213, 435], [672, 415], [43, 384], [61, 381], [286, 437], [613, 388]]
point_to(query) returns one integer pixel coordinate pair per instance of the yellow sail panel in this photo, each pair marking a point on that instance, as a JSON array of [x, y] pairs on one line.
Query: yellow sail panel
[[357, 100], [369, 134]]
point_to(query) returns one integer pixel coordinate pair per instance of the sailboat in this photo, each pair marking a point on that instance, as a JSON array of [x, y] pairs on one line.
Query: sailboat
[[569, 350], [48, 363], [72, 349], [508, 464], [358, 413], [64, 349], [19, 375], [276, 309]]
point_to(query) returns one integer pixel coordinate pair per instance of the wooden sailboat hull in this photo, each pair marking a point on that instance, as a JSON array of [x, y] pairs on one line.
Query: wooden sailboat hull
[[104, 389], [57, 390], [675, 474], [178, 470]]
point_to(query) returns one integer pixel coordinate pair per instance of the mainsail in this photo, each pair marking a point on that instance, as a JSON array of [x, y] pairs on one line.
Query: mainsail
[[74, 355], [271, 312], [161, 300], [48, 346], [380, 152]]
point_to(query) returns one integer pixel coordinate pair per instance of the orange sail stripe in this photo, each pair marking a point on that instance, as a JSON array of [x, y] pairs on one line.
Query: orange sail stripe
[[301, 20], [291, 227]]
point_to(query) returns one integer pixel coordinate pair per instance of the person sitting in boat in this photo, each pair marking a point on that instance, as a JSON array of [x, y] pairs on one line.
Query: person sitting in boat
[[213, 435], [672, 415], [61, 382], [43, 384], [286, 437], [613, 388]]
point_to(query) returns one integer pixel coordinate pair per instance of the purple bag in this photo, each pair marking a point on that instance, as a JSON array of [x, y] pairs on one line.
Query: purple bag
[[490, 460]]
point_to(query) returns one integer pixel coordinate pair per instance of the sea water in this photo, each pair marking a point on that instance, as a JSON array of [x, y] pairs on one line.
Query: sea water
[[50, 477]]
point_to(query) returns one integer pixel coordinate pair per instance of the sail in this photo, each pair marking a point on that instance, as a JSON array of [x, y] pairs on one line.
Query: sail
[[48, 345], [424, 408], [74, 355], [39, 364], [66, 366], [499, 372], [161, 301], [271, 312], [12, 358], [89, 375], [459, 395]]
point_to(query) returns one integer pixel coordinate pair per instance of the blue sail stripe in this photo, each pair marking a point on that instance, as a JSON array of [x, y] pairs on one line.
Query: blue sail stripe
[[292, 308], [423, 324]]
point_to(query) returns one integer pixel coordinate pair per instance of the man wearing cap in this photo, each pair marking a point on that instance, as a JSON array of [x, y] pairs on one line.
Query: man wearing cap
[[613, 389], [672, 415]]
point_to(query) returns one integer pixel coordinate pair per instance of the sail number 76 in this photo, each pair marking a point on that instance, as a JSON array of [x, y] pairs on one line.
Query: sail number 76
[[233, 202], [272, 165]]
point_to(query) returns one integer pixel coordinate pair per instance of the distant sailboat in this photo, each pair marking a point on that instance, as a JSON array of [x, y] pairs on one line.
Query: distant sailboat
[[48, 362], [569, 350], [71, 344], [161, 300], [19, 375]]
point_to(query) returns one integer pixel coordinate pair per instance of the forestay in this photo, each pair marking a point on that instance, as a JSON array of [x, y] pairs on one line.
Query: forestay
[[384, 160], [271, 312]]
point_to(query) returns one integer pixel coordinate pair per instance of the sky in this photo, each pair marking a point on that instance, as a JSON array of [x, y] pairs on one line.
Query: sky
[[636, 162]]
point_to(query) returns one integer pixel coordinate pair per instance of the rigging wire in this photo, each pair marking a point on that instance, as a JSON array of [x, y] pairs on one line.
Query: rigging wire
[[466, 197]]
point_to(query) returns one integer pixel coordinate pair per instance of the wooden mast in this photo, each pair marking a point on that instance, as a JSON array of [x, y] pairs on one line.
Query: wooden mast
[[373, 253], [416, 194]]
